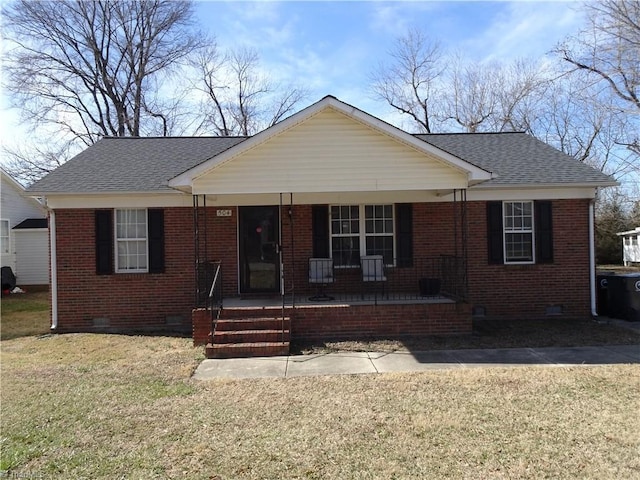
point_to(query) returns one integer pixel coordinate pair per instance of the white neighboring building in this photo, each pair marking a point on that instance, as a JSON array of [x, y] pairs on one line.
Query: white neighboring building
[[630, 246], [24, 239]]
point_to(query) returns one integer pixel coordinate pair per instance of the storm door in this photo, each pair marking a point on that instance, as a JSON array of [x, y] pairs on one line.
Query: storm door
[[259, 254]]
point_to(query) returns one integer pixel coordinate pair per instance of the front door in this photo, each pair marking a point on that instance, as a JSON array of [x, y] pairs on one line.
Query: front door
[[259, 249]]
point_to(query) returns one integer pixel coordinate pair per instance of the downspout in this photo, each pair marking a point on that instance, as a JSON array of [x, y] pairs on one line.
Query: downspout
[[592, 260], [54, 270]]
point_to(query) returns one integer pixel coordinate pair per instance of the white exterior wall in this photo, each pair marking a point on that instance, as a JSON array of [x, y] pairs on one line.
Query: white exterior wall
[[631, 249], [32, 256], [330, 150], [15, 208]]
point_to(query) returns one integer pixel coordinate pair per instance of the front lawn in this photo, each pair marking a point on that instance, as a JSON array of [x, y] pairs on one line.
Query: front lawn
[[24, 314], [111, 406]]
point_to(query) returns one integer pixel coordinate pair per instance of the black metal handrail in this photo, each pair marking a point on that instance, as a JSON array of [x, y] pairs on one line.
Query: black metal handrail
[[214, 299]]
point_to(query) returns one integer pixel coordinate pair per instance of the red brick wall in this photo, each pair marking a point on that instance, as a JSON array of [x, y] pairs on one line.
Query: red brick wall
[[524, 291], [222, 245], [137, 301], [382, 321]]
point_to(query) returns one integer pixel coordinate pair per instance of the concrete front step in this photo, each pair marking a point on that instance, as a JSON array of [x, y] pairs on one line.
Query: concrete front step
[[237, 350], [251, 336]]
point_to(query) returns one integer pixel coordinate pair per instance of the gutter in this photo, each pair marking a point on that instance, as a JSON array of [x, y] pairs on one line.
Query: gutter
[[54, 270], [592, 260]]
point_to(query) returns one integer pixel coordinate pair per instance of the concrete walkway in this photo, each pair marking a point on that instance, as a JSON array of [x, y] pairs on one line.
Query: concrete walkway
[[379, 362]]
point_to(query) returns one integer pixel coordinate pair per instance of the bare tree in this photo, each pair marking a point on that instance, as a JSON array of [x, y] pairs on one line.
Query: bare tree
[[28, 163], [90, 68], [578, 120], [520, 88], [472, 98], [410, 81], [608, 50], [238, 98]]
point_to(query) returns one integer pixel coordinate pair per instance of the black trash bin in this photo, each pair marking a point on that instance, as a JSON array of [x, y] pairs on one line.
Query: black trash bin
[[624, 297], [8, 278], [603, 294]]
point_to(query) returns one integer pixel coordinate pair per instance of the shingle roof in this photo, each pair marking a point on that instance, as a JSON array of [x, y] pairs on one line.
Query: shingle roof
[[32, 223], [147, 164], [517, 159], [127, 164]]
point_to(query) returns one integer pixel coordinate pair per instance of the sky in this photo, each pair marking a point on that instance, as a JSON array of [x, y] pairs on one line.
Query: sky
[[331, 48]]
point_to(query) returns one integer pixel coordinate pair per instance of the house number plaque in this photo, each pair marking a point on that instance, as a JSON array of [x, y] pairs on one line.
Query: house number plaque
[[223, 213]]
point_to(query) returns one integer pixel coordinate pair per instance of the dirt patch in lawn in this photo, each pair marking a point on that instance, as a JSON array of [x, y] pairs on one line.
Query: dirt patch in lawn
[[492, 334]]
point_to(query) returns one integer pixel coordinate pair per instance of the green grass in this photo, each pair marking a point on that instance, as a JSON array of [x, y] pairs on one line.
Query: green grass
[[27, 314], [92, 406]]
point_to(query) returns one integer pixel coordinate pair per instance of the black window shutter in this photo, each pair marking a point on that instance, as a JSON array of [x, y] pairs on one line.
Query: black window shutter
[[320, 227], [404, 234], [544, 232], [494, 232], [155, 217], [104, 242]]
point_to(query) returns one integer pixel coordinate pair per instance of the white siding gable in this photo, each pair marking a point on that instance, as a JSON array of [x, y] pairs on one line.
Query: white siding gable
[[330, 152], [15, 208]]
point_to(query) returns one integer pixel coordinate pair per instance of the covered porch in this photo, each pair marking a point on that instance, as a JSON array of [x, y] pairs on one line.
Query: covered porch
[[354, 227], [282, 285]]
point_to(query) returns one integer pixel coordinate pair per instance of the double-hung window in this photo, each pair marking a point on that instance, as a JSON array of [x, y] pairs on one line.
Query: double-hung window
[[131, 241], [345, 235], [518, 232], [4, 237], [358, 230]]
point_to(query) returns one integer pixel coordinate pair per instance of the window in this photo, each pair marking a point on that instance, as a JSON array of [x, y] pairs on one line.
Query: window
[[518, 232], [345, 235], [379, 231], [4, 237], [131, 240], [358, 230]]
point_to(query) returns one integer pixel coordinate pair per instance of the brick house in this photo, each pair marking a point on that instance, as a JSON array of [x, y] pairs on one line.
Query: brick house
[[329, 224]]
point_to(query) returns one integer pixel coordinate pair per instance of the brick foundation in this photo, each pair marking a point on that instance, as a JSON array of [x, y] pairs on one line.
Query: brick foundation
[[354, 321]]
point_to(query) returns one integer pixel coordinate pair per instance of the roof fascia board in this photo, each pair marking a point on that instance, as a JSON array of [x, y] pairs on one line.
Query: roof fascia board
[[630, 232], [107, 200], [50, 194], [473, 172], [521, 193], [497, 186]]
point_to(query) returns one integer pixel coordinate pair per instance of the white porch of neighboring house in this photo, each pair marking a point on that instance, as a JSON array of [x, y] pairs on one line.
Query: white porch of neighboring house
[[630, 246]]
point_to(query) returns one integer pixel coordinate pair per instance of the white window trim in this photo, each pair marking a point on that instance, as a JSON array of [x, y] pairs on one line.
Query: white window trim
[[115, 241], [8, 236], [362, 235], [533, 234]]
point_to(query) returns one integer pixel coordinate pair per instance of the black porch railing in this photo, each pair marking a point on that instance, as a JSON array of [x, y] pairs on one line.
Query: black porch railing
[[378, 278], [209, 285], [210, 291]]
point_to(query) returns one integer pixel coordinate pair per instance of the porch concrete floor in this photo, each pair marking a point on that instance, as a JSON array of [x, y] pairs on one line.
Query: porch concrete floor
[[378, 362], [308, 301]]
